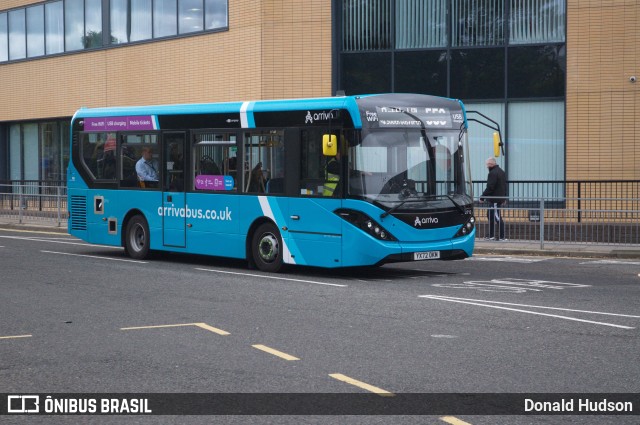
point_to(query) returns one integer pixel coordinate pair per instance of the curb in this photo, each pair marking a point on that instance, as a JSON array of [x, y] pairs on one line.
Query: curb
[[34, 228], [631, 254]]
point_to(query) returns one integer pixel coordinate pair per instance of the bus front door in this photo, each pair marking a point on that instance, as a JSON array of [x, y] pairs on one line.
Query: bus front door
[[173, 197]]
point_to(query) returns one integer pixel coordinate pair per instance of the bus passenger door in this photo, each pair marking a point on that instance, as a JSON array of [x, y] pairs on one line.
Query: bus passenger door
[[174, 215]]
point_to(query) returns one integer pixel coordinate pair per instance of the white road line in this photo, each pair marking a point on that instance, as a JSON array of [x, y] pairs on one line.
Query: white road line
[[96, 256], [60, 242], [534, 306], [34, 231], [631, 263], [15, 336], [272, 277], [510, 259], [69, 238], [453, 300]]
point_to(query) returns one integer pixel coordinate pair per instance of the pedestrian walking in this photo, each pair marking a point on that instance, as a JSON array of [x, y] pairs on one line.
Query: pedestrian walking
[[495, 195]]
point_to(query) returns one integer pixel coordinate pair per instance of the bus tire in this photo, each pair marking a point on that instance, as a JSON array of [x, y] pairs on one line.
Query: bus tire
[[136, 239], [266, 248]]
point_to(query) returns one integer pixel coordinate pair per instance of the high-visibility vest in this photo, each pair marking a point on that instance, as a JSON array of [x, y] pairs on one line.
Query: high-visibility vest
[[330, 182]]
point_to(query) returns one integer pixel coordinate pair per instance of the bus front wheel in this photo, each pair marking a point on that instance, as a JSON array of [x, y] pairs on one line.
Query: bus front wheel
[[266, 248], [136, 241]]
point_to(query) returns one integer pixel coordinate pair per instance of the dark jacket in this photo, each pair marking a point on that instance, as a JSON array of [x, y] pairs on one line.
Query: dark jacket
[[496, 186]]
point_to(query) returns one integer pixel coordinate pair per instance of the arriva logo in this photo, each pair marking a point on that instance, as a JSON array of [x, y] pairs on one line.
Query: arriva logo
[[426, 220], [319, 116]]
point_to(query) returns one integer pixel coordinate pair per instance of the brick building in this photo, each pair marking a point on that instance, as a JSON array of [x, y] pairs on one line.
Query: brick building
[[557, 74]]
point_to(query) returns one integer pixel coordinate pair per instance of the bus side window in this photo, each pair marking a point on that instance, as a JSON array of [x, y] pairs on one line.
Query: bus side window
[[131, 151], [98, 154], [214, 162], [264, 162]]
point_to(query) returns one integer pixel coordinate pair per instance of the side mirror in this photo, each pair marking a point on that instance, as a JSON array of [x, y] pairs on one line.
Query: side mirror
[[497, 144], [329, 145]]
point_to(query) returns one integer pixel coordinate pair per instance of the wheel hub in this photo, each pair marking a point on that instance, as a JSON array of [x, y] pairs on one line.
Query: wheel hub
[[268, 248]]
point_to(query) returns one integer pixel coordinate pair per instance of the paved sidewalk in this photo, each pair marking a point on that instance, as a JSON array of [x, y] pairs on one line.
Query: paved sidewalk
[[482, 247], [557, 249]]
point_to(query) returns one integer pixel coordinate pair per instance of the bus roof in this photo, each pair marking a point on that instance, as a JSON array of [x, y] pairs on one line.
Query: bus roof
[[247, 113]]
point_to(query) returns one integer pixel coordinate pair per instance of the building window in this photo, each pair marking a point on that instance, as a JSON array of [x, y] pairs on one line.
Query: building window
[[141, 20], [54, 27], [17, 39], [421, 24], [536, 71], [190, 16], [72, 25], [477, 73], [536, 150], [421, 72], [54, 155], [215, 14], [93, 24], [366, 25], [165, 19], [35, 31], [4, 38], [537, 22], [480, 137], [366, 72], [477, 22]]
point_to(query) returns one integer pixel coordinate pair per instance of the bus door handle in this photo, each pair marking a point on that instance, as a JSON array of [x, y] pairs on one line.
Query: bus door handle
[[169, 198], [295, 217]]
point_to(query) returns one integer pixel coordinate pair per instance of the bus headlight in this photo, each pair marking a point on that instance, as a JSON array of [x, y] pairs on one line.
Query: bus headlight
[[366, 223], [466, 228]]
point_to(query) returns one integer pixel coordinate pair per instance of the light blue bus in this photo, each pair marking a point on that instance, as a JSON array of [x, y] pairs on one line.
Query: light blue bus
[[326, 182]]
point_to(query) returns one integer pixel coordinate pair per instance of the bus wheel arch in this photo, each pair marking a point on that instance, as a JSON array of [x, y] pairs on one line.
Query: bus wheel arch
[[135, 235], [264, 246]]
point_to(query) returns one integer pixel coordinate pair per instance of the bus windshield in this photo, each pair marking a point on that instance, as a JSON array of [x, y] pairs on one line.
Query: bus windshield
[[418, 168]]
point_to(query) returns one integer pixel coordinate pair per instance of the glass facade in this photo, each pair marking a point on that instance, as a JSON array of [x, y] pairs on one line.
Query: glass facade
[[73, 25], [38, 151], [504, 58]]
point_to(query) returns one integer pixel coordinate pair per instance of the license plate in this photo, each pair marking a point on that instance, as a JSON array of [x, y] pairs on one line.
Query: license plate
[[427, 255]]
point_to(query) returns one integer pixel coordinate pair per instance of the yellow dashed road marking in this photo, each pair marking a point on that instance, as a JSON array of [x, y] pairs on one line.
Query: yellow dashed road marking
[[453, 421], [274, 352], [360, 384]]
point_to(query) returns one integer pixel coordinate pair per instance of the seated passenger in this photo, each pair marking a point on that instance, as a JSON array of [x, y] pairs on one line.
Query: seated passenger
[[147, 167], [257, 179]]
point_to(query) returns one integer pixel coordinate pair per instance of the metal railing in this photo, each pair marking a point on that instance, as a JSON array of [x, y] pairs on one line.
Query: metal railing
[[34, 201], [566, 220], [591, 195], [611, 220]]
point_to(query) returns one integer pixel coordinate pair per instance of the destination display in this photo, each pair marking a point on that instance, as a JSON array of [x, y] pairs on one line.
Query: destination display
[[411, 117]]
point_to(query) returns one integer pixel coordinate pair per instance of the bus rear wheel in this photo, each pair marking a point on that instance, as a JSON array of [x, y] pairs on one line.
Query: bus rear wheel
[[136, 240], [266, 248]]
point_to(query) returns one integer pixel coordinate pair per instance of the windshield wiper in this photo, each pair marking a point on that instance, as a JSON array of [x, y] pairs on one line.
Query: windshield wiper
[[423, 198], [386, 213], [453, 201]]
